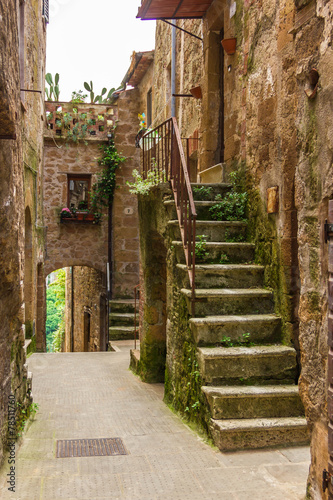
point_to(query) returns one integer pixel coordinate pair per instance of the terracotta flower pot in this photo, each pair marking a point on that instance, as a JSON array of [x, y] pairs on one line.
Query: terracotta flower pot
[[229, 45]]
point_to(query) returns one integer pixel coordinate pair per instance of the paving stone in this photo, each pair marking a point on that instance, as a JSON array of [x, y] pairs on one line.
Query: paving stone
[[94, 395]]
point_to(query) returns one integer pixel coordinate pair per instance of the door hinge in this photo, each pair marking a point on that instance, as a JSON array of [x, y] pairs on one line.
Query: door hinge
[[328, 228], [326, 478]]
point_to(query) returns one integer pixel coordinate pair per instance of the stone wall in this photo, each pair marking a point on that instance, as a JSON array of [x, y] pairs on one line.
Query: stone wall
[[284, 139], [21, 152], [125, 208], [276, 129]]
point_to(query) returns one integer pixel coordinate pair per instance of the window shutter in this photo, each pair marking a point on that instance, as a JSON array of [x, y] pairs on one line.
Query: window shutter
[[46, 10]]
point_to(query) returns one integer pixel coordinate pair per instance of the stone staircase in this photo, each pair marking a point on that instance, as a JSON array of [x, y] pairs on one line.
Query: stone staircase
[[249, 376], [121, 319]]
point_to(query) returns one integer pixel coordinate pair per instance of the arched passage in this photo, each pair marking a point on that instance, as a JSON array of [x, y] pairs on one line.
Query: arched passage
[[85, 310]]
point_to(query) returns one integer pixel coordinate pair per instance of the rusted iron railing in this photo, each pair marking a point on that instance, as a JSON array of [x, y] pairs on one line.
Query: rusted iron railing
[[164, 160], [136, 329]]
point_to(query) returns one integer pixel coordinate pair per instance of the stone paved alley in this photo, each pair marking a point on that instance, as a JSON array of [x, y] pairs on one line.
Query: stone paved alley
[[94, 395]]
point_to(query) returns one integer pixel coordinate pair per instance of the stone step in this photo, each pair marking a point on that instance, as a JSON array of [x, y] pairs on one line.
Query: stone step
[[257, 328], [121, 332], [226, 275], [219, 252], [215, 173], [201, 207], [122, 319], [214, 230], [273, 401], [123, 305], [212, 188], [237, 434], [259, 365], [227, 301]]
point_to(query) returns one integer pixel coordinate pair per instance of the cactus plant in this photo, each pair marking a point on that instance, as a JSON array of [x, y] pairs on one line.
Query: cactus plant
[[54, 87]]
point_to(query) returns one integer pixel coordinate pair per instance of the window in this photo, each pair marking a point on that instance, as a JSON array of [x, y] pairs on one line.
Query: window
[[149, 107], [78, 191]]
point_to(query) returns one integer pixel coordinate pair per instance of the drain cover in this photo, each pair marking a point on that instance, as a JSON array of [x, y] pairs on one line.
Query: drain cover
[[67, 448]]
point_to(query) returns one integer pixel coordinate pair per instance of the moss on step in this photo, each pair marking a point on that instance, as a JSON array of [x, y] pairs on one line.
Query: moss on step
[[182, 379]]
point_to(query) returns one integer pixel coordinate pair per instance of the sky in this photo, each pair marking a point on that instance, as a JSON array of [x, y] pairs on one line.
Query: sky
[[93, 40]]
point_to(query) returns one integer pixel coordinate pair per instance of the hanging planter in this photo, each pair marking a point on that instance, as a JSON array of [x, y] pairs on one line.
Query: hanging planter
[[229, 45]]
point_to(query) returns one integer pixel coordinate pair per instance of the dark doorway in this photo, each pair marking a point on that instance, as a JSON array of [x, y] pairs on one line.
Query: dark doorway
[[86, 331]]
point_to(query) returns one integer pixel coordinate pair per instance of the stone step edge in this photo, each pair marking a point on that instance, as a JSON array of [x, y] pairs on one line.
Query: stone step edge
[[260, 391], [254, 424], [223, 267], [200, 203], [130, 329], [211, 184], [227, 293], [219, 244], [116, 315], [174, 222], [231, 319], [259, 351]]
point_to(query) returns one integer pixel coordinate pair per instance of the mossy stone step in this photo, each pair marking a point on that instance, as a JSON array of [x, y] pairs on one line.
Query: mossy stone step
[[214, 230], [230, 301], [273, 401], [257, 328], [122, 319], [214, 189], [121, 332], [258, 365], [242, 434], [201, 207], [123, 305], [226, 275], [219, 252]]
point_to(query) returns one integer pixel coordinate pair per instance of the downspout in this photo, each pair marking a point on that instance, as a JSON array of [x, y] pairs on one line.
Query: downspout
[[173, 67], [72, 308]]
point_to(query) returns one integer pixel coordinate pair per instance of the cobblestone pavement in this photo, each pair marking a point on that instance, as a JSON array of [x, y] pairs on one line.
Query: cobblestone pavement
[[94, 395]]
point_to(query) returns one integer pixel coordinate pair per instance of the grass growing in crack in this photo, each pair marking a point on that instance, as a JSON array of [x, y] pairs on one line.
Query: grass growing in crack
[[243, 342], [202, 193], [201, 247]]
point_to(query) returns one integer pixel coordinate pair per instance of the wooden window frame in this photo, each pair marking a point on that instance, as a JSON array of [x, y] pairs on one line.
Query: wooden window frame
[[78, 177]]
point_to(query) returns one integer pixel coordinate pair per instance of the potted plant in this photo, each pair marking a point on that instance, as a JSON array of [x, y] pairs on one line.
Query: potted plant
[[66, 213]]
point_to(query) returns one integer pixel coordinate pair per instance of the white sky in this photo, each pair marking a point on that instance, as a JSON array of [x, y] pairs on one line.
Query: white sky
[[93, 40]]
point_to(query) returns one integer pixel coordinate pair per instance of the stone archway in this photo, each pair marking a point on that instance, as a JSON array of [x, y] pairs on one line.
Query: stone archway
[[85, 295]]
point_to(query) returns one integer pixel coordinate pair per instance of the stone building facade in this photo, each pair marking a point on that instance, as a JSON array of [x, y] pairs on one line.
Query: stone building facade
[[86, 243], [264, 109], [22, 60]]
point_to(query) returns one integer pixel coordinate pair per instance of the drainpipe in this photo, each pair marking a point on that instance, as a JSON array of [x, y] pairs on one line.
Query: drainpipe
[[72, 309], [173, 67]]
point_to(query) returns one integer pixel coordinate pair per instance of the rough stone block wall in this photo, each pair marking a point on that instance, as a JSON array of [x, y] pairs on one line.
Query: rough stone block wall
[[71, 243], [125, 211], [20, 125]]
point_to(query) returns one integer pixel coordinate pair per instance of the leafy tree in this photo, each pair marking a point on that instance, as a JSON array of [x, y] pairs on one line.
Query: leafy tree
[[55, 303]]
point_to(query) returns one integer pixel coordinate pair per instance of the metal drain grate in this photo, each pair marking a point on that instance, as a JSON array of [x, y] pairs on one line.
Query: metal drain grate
[[67, 448]]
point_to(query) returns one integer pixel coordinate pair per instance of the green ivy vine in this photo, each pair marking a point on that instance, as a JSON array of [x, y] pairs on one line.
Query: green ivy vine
[[103, 190]]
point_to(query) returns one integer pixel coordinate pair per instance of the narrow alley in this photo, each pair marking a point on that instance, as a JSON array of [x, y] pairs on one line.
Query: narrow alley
[[94, 395]]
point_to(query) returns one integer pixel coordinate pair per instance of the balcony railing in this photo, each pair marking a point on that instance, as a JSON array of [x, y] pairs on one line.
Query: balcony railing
[[163, 154]]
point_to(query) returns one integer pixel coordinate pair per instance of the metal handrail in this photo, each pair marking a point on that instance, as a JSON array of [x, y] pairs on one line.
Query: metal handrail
[[163, 155]]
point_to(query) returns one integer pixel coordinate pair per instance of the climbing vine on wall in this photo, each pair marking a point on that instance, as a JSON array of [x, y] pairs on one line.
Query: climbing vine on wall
[[103, 190]]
